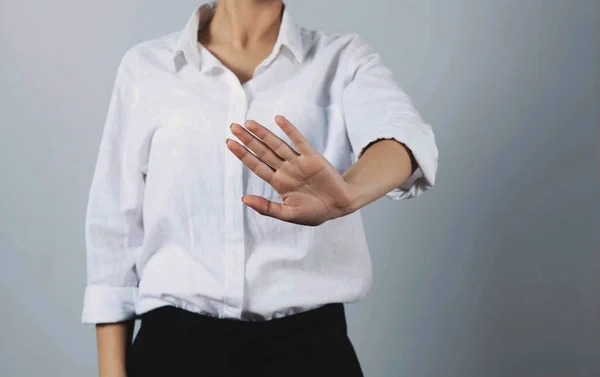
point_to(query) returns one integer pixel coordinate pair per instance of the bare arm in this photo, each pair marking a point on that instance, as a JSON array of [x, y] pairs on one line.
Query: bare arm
[[113, 342], [385, 164]]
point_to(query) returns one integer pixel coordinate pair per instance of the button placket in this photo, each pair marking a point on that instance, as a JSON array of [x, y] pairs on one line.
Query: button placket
[[233, 206]]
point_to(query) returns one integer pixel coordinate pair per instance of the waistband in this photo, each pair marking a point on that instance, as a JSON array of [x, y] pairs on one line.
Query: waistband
[[328, 318]]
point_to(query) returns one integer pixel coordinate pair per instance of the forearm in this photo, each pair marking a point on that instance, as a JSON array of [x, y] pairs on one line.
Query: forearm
[[384, 165], [113, 342]]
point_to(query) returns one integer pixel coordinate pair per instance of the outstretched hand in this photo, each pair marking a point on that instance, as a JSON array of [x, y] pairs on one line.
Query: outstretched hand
[[312, 190]]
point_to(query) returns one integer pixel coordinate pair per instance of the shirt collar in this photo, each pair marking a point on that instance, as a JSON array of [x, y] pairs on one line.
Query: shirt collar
[[290, 35]]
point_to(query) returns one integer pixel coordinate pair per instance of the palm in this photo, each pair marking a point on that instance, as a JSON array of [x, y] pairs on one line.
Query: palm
[[311, 188]]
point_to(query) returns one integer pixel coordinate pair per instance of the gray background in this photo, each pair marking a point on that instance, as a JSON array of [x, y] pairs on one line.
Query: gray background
[[495, 272]]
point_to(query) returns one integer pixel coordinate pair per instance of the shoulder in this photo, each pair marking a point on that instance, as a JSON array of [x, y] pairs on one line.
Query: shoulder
[[348, 52], [147, 53], [349, 48]]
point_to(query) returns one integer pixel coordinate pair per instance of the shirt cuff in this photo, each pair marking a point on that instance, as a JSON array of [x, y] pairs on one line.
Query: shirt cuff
[[108, 304], [422, 145]]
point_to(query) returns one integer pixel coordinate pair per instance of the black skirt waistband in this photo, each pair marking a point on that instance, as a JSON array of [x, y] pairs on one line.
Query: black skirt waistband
[[329, 318]]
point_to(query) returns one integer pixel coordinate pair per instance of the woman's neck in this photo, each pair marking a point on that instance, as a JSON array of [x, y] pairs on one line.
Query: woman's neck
[[241, 24]]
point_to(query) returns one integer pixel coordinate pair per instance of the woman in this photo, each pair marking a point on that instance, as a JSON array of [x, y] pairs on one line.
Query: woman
[[224, 206]]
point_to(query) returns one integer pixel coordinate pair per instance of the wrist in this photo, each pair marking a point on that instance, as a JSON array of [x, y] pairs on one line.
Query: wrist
[[352, 198]]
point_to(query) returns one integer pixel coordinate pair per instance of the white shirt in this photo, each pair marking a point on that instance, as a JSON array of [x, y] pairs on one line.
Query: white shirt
[[165, 223]]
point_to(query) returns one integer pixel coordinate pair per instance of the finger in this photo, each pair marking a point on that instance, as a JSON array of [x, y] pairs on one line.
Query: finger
[[267, 207], [280, 147], [295, 135], [253, 163], [257, 146]]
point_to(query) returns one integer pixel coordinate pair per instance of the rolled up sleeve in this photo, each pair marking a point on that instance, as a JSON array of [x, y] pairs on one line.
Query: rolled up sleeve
[[375, 107], [113, 220]]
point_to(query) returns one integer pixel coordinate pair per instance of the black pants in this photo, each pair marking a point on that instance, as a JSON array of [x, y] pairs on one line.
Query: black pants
[[173, 342]]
